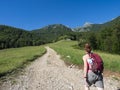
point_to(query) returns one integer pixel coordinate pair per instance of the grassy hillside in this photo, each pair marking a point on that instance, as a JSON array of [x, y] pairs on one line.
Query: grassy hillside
[[11, 59], [67, 51]]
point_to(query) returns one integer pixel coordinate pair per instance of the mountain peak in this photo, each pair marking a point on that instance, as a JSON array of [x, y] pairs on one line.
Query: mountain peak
[[54, 26], [87, 24]]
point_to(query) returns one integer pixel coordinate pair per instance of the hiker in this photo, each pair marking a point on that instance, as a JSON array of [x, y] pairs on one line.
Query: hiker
[[93, 69]]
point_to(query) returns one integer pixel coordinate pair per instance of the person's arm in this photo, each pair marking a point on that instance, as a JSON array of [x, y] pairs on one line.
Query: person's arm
[[85, 67]]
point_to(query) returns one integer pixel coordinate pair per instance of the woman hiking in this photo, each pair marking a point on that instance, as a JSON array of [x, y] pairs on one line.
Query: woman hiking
[[93, 69]]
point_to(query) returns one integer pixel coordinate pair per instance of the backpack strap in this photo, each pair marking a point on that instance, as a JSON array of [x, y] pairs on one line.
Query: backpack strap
[[88, 63], [90, 54]]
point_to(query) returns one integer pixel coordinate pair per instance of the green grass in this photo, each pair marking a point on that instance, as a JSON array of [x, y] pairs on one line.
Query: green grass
[[11, 59], [70, 54]]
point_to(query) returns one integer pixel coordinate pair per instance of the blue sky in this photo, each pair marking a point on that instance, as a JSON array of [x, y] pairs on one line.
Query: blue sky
[[34, 14]]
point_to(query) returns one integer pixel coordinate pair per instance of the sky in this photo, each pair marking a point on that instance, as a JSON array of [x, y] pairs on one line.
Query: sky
[[35, 14]]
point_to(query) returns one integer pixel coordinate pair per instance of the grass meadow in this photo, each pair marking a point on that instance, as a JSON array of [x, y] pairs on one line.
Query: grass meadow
[[14, 58], [11, 59], [73, 55]]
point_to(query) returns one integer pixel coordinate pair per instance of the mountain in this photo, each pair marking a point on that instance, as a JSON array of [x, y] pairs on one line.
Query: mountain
[[115, 21], [11, 37], [104, 37], [53, 32], [90, 27], [97, 27]]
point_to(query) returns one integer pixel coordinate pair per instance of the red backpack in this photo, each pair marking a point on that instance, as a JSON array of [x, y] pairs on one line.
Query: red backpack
[[97, 64]]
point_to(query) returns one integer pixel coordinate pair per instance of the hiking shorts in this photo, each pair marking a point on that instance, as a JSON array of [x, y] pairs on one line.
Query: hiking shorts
[[96, 79]]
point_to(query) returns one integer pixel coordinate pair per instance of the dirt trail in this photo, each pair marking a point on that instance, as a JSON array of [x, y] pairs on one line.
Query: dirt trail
[[49, 72]]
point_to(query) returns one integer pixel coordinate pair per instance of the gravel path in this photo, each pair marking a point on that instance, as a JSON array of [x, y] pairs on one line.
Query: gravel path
[[49, 72]]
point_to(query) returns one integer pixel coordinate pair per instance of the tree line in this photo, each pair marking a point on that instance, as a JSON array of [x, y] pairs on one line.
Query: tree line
[[13, 37]]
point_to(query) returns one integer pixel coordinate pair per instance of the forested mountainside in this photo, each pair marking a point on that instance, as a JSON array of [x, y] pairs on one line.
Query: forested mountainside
[[11, 37], [105, 37], [52, 33]]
